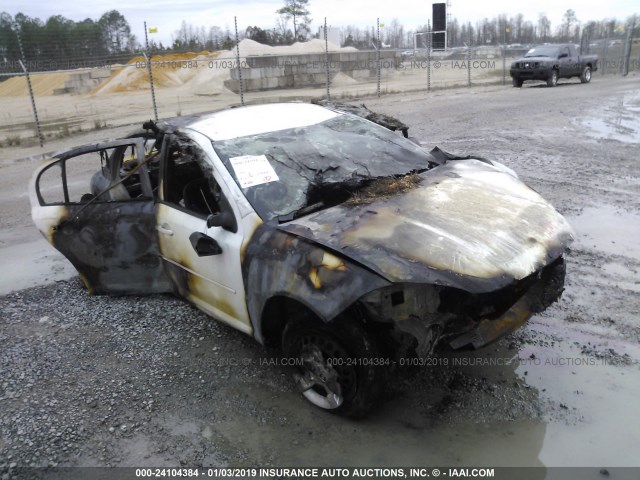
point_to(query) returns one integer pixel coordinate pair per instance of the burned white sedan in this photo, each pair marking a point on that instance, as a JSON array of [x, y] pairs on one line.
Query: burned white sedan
[[313, 229]]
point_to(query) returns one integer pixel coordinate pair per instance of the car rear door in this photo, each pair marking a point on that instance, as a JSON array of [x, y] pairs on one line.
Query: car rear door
[[95, 205]]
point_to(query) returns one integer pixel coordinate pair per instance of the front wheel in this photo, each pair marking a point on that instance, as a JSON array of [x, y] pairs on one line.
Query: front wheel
[[517, 82], [586, 75], [338, 366], [552, 81]]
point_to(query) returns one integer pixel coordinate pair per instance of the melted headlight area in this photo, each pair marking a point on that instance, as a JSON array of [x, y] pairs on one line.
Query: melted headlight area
[[422, 317], [412, 312]]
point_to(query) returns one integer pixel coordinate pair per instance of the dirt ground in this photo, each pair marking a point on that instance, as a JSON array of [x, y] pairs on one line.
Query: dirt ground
[[150, 381]]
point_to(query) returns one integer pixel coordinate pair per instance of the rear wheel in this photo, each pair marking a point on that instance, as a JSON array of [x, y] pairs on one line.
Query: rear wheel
[[338, 370], [586, 75], [552, 81]]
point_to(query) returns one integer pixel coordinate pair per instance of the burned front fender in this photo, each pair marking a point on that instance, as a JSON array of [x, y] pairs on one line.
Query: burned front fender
[[280, 264]]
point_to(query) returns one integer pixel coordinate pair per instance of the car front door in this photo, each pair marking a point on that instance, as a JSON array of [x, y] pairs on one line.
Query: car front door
[[202, 261], [565, 63], [95, 205]]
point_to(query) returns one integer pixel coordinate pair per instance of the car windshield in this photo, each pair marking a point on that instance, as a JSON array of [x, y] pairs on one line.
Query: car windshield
[[290, 172], [542, 52]]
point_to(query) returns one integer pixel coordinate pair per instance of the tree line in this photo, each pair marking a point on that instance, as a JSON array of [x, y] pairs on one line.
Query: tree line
[[60, 39], [500, 30]]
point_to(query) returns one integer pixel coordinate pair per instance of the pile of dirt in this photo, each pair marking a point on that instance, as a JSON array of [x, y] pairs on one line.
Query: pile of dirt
[[169, 71], [42, 84], [252, 48], [170, 57], [342, 79], [314, 46], [202, 77]]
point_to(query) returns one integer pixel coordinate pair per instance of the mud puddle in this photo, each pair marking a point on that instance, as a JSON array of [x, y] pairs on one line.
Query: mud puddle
[[608, 229], [539, 405], [579, 374], [45, 265], [399, 433], [619, 121]]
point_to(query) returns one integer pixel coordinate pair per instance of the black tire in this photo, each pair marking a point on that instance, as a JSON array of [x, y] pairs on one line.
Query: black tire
[[517, 82], [586, 75], [552, 81], [339, 372]]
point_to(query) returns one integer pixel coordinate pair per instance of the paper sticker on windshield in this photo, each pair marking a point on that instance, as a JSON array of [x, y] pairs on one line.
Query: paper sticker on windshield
[[253, 170]]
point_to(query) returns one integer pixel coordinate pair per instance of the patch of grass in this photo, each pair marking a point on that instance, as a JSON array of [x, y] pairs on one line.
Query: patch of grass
[[13, 140], [63, 132]]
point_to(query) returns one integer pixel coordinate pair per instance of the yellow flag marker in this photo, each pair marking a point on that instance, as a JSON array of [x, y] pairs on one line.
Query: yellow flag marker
[[153, 29]]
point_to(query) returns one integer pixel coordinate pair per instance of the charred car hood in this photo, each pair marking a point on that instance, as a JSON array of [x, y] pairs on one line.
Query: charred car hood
[[466, 225]]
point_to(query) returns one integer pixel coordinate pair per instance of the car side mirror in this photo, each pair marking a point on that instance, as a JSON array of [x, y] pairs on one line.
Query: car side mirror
[[204, 245], [225, 220]]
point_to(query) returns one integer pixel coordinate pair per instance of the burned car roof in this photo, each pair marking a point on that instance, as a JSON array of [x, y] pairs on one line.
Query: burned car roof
[[257, 119]]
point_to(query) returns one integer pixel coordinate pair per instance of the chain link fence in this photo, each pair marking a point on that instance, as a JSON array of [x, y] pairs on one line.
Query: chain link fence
[[43, 101]]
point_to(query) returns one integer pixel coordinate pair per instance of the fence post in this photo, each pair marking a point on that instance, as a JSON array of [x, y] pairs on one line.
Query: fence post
[[147, 57], [603, 63], [23, 64], [627, 48], [326, 58], [240, 85], [469, 64], [504, 65], [429, 34], [378, 54]]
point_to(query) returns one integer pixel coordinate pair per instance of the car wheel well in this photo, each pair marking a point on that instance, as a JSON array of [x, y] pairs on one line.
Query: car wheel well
[[278, 310], [276, 313]]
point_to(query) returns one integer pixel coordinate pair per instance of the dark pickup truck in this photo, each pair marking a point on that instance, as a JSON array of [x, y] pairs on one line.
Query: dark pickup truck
[[551, 62]]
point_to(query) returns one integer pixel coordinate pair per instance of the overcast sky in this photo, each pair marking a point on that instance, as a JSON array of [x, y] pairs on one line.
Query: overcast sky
[[168, 14]]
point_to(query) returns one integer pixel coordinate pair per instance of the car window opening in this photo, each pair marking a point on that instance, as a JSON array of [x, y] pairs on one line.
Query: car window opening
[[189, 181]]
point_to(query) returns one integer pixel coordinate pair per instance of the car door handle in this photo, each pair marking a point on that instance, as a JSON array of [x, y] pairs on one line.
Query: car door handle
[[164, 229]]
